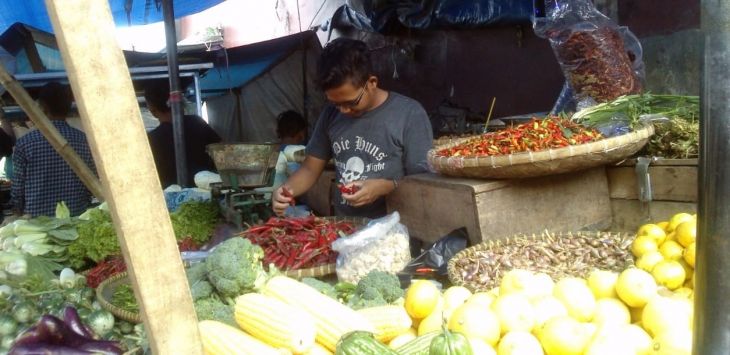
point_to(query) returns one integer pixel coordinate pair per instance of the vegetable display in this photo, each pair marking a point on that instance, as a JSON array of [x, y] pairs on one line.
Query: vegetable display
[[52, 335], [195, 219], [296, 243], [377, 288], [535, 135]]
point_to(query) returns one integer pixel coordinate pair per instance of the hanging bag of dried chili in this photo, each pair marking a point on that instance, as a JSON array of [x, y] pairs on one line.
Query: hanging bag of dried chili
[[601, 61]]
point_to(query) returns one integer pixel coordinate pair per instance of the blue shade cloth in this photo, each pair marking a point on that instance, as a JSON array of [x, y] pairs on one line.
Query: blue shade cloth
[[33, 12]]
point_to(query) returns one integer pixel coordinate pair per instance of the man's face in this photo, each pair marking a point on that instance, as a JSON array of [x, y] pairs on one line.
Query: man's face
[[353, 100]]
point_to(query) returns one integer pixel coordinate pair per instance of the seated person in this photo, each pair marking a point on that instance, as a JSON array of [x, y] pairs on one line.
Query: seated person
[[197, 133]]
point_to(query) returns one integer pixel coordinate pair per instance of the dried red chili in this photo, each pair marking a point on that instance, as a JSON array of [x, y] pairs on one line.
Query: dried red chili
[[295, 243], [535, 135], [347, 189]]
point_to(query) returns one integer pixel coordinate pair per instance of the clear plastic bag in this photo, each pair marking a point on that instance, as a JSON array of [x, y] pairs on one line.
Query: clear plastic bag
[[383, 245], [601, 61]]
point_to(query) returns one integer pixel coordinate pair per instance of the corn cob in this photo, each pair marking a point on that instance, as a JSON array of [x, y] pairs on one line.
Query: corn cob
[[389, 321]]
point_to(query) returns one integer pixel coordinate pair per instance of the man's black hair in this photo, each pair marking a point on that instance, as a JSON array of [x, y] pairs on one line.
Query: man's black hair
[[289, 123], [156, 93], [343, 60], [56, 99]]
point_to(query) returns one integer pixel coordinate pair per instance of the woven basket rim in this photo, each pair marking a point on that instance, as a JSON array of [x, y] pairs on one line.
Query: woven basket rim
[[454, 277], [107, 305], [603, 145]]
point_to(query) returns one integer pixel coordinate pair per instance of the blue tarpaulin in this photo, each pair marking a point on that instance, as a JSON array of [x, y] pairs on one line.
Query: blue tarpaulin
[[33, 12]]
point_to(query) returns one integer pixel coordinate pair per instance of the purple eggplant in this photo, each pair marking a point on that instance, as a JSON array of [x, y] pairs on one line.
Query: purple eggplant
[[46, 349], [102, 347], [72, 320], [31, 336]]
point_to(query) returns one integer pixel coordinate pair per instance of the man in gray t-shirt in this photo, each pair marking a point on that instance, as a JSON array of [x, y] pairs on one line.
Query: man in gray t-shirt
[[375, 137]]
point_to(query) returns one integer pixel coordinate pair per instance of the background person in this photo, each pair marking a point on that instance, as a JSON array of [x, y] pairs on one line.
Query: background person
[[41, 178]]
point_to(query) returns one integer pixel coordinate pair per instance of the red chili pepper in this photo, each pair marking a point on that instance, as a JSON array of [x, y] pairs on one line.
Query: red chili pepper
[[287, 193]]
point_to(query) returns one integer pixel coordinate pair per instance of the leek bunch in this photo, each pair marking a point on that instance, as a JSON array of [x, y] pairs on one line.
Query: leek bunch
[[634, 106]]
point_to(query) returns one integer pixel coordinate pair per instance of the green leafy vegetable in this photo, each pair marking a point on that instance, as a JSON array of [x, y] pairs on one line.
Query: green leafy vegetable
[[97, 240], [196, 219]]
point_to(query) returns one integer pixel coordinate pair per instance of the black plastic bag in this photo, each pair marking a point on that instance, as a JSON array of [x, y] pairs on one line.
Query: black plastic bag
[[434, 260]]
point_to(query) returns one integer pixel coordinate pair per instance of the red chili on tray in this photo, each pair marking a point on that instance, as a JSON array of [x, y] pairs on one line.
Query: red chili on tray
[[535, 135], [297, 243]]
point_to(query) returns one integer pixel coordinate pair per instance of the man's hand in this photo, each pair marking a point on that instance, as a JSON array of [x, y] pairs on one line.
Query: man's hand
[[281, 198], [367, 191]]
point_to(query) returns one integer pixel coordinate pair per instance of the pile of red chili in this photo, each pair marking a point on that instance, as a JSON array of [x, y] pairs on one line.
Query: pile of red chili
[[297, 243], [535, 135]]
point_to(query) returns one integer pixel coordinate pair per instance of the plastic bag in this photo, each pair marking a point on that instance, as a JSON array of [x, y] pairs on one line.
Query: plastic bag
[[600, 60], [435, 259], [382, 245]]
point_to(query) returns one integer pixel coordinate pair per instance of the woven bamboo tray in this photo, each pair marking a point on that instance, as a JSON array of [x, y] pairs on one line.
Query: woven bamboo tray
[[328, 269], [481, 267], [546, 162], [104, 293]]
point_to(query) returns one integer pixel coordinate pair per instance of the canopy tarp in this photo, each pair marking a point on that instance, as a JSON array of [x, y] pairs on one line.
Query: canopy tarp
[[125, 12]]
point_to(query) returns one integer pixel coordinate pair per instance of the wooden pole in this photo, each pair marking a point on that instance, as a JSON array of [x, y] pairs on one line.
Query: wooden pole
[[102, 84], [58, 142]]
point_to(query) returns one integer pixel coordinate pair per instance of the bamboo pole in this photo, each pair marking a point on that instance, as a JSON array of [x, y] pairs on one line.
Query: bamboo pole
[[58, 142], [100, 79]]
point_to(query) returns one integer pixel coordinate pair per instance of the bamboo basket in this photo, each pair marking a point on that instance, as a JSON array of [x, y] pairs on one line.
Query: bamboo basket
[[546, 162], [104, 293], [556, 254]]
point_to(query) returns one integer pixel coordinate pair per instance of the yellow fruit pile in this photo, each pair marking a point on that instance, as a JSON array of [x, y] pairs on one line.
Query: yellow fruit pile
[[667, 251]]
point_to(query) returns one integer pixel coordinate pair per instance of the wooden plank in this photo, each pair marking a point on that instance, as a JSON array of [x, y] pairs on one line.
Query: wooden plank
[[662, 162], [110, 115], [558, 203], [48, 130], [431, 210], [431, 206], [629, 215], [669, 183]]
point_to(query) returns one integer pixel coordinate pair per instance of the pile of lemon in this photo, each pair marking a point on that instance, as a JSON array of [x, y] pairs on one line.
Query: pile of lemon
[[643, 310], [667, 251]]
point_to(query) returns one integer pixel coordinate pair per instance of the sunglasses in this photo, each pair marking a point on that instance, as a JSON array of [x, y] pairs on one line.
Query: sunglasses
[[352, 103]]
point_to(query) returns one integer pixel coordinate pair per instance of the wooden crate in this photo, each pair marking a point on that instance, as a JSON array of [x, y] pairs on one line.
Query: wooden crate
[[432, 205], [319, 196], [674, 189]]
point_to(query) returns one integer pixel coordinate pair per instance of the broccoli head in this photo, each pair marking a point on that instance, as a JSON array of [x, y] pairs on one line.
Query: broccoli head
[[201, 289], [212, 308], [387, 285], [234, 267], [196, 273], [321, 286]]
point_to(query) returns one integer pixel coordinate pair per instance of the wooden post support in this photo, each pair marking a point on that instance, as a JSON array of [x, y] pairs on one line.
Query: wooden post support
[[58, 142], [110, 114]]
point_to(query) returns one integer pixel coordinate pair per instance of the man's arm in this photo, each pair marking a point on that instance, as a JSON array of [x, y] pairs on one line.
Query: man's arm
[[298, 183]]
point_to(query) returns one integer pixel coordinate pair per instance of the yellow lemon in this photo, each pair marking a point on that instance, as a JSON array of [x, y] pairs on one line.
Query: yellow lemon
[[603, 283], [475, 322], [677, 219], [662, 314], [642, 245], [686, 232], [519, 343], [542, 285], [479, 346], [611, 311], [669, 273], [638, 338], [515, 280], [433, 321], [675, 342], [689, 254], [671, 250], [515, 312], [609, 341], [576, 297], [647, 261], [494, 292], [421, 298], [654, 231], [546, 309], [683, 292], [663, 225], [564, 336], [399, 340], [635, 287], [671, 237], [455, 296], [481, 299]]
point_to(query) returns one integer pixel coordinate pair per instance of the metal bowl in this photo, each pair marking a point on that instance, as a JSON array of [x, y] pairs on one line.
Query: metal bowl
[[245, 165]]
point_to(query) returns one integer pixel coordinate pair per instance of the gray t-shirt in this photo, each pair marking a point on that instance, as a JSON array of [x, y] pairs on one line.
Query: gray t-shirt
[[388, 142]]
